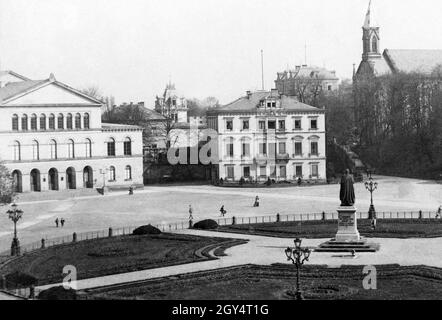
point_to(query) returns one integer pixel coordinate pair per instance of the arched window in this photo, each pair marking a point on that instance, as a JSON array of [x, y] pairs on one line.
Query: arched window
[[71, 149], [35, 150], [374, 44], [86, 121], [112, 173], [88, 148], [33, 121], [111, 147], [17, 151], [128, 173], [42, 121], [24, 122], [60, 121], [15, 122], [69, 121], [51, 121], [127, 147], [53, 147], [77, 121]]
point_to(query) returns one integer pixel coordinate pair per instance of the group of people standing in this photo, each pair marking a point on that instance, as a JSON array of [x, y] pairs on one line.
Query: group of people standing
[[59, 222]]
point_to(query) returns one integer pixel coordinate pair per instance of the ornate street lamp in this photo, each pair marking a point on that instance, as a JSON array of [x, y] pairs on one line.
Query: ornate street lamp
[[298, 255], [371, 186], [15, 215]]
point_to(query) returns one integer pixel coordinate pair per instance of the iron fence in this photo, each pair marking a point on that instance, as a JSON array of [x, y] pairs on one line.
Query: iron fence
[[221, 221]]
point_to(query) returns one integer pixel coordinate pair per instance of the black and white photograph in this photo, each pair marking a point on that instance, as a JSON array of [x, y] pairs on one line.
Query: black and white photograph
[[231, 152]]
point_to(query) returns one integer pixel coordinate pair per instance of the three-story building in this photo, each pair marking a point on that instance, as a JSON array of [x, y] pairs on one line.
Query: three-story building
[[267, 135]]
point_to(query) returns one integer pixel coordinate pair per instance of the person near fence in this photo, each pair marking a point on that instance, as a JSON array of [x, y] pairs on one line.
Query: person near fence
[[438, 213], [56, 222], [223, 211], [62, 221], [190, 212], [373, 223], [256, 204]]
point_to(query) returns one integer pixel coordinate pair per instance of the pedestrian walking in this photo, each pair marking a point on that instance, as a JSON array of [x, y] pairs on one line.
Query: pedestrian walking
[[223, 211], [56, 222], [190, 212], [299, 181], [62, 221], [131, 190], [438, 213], [256, 204]]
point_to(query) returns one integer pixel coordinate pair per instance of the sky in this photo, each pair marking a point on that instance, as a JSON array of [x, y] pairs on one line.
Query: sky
[[131, 48]]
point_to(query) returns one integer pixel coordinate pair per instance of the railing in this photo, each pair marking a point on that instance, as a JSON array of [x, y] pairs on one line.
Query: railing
[[222, 221]]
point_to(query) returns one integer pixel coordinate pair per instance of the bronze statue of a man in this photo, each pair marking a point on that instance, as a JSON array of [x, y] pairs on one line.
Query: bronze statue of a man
[[347, 192]]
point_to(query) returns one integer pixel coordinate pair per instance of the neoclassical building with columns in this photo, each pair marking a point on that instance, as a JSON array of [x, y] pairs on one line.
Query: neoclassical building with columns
[[52, 138], [265, 134]]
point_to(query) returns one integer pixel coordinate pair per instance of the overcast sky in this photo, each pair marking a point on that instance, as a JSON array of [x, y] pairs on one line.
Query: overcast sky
[[130, 48]]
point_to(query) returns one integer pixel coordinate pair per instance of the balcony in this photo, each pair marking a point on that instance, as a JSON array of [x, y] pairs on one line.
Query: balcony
[[261, 159], [284, 157]]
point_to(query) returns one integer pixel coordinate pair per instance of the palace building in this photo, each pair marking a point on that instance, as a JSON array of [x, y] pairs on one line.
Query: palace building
[[52, 138], [268, 135]]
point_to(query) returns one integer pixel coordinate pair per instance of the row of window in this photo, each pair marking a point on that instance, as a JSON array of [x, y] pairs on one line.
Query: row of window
[[71, 148], [272, 124], [112, 173], [51, 122], [273, 148], [314, 171]]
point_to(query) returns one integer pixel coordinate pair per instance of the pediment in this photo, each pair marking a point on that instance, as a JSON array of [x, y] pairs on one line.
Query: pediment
[[51, 94]]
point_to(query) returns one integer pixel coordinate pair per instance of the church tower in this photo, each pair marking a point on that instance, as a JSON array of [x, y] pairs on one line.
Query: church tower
[[370, 39]]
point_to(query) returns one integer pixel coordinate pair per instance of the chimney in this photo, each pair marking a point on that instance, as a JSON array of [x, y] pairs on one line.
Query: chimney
[[249, 94], [274, 93]]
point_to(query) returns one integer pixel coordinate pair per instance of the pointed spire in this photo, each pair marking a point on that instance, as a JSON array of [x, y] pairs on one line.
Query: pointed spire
[[368, 17]]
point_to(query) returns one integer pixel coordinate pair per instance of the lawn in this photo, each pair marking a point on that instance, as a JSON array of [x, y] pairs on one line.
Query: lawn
[[252, 282], [386, 228], [99, 257]]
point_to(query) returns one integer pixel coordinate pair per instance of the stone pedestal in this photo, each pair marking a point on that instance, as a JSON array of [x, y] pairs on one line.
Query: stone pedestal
[[347, 225], [347, 238]]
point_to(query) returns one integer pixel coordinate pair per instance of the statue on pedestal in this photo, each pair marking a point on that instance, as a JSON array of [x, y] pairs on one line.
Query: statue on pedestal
[[347, 192]]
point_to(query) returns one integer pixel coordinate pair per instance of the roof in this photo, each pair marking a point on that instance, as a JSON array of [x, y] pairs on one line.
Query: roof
[[413, 60], [17, 89], [250, 104], [309, 71], [376, 67], [115, 126], [14, 74]]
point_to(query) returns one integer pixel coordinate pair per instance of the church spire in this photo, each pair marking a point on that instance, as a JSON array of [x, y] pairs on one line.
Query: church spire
[[368, 17]]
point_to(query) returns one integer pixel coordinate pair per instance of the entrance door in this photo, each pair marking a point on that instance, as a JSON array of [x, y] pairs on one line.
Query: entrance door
[[88, 177], [35, 180], [53, 179], [70, 178]]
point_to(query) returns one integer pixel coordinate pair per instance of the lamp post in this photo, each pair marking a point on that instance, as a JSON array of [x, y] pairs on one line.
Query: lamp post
[[371, 186], [298, 255], [15, 215]]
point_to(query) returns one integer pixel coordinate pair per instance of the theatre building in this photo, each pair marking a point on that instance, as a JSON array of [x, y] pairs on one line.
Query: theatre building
[[52, 138]]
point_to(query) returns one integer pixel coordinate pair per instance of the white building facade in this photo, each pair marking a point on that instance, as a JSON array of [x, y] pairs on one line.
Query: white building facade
[[52, 138], [265, 135]]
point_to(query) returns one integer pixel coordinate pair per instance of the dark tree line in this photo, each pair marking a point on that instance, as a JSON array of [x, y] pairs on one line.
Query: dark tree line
[[398, 120]]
